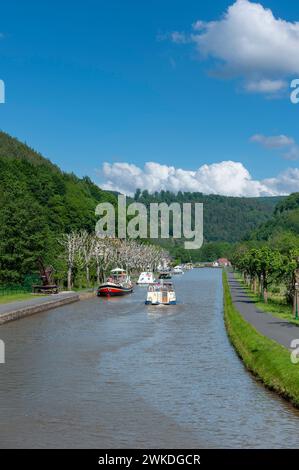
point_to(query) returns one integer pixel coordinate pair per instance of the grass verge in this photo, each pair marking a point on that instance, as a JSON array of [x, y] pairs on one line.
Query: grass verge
[[275, 307], [6, 299], [265, 358]]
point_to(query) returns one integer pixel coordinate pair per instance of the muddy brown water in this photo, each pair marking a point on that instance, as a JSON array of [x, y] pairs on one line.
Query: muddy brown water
[[117, 374]]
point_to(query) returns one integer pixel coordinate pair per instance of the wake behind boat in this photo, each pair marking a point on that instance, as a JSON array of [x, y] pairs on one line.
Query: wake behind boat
[[118, 283]]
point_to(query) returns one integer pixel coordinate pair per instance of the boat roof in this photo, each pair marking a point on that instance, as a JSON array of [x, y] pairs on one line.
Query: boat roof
[[118, 270], [163, 283]]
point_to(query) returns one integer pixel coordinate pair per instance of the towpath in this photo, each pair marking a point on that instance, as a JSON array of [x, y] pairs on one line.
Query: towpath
[[281, 331]]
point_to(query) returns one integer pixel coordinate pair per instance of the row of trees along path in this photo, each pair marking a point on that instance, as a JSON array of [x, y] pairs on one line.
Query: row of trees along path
[[263, 267]]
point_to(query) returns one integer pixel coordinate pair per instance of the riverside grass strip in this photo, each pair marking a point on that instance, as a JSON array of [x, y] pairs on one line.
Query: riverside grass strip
[[266, 359], [273, 307]]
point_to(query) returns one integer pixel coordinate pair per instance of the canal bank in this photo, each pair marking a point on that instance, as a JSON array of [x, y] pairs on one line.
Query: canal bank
[[268, 360], [17, 310]]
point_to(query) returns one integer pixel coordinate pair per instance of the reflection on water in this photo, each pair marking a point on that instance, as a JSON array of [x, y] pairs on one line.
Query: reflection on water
[[116, 373]]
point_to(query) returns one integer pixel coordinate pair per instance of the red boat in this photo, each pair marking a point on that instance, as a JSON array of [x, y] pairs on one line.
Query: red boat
[[119, 283]]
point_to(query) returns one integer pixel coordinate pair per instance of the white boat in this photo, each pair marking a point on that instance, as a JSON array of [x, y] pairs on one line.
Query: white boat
[[177, 270], [188, 266], [161, 293], [146, 278]]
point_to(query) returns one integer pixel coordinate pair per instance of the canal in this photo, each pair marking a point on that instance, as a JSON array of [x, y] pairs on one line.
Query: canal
[[117, 374]]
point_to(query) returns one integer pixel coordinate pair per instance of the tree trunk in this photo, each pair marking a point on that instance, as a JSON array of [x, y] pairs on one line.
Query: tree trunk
[[254, 285], [87, 276], [98, 274], [265, 296], [265, 289], [260, 287], [69, 279]]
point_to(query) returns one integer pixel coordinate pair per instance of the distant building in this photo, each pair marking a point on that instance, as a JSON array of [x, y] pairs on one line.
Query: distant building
[[223, 262]]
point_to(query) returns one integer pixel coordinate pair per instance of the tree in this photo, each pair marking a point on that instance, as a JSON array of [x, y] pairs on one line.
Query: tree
[[289, 275], [263, 263], [23, 234], [72, 244], [87, 246], [268, 264]]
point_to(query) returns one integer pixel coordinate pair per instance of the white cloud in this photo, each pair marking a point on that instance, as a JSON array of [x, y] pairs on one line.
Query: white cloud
[[251, 43], [292, 153], [278, 142], [199, 25], [179, 38], [275, 141], [286, 183], [265, 86], [226, 178]]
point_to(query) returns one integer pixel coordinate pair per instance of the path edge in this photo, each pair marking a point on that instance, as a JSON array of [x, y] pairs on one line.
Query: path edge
[[34, 309], [268, 361]]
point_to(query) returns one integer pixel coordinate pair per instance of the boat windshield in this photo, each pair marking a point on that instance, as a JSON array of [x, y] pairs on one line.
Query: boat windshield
[[117, 277], [165, 287]]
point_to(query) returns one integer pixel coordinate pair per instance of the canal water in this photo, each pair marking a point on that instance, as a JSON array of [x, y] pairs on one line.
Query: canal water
[[116, 374]]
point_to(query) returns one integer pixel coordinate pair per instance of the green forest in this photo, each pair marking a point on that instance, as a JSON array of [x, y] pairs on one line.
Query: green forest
[[227, 221], [40, 203]]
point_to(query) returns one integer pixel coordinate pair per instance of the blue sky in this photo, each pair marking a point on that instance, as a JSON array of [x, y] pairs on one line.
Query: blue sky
[[129, 82]]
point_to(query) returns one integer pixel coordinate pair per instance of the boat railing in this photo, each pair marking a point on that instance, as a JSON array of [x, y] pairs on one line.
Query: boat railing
[[160, 288]]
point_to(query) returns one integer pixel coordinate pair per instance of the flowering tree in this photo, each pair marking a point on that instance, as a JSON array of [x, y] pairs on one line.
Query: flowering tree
[[85, 250], [71, 243], [87, 247]]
